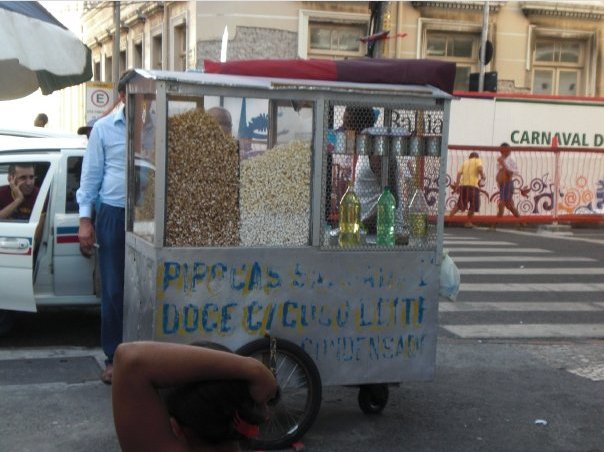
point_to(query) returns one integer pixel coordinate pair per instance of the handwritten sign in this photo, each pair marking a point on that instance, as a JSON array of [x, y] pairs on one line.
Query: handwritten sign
[[372, 321]]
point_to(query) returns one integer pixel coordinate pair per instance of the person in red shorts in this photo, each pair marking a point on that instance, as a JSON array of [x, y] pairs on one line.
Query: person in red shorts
[[467, 184], [506, 169]]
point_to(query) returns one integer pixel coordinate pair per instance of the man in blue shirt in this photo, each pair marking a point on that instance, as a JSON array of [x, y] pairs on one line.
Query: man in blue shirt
[[104, 177]]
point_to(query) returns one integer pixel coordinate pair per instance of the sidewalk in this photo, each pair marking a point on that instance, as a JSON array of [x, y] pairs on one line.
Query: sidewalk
[[486, 396]]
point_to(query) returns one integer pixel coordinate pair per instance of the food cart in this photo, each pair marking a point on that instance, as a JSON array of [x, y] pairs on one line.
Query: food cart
[[233, 234]]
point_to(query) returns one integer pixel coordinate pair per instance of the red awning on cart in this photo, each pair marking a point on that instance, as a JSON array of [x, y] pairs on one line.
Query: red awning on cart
[[439, 74]]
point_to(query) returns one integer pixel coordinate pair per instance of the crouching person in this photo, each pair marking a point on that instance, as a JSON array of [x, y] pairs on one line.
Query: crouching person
[[172, 397]]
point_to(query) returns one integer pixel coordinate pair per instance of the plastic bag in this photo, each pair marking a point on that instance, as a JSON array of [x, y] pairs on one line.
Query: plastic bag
[[449, 278]]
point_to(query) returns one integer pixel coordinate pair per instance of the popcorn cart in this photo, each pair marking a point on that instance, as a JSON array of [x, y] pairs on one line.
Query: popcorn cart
[[235, 230]]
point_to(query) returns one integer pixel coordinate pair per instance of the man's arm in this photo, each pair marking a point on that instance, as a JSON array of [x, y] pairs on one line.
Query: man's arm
[[90, 182], [86, 236], [481, 173], [18, 198], [8, 210]]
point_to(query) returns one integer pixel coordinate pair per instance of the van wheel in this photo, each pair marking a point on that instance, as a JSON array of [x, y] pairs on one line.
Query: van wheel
[[7, 321]]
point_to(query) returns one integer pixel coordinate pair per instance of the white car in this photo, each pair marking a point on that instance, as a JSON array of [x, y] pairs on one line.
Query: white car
[[35, 132], [51, 270]]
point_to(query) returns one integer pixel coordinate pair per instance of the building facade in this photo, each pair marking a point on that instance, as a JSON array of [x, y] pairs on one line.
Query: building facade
[[551, 48]]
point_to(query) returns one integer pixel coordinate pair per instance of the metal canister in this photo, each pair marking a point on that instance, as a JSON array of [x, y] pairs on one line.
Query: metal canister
[[433, 146], [399, 142], [350, 141], [340, 147], [416, 146], [362, 144], [380, 145]]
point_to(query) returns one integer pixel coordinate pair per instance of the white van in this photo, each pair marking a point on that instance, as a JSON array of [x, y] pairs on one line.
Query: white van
[[51, 270]]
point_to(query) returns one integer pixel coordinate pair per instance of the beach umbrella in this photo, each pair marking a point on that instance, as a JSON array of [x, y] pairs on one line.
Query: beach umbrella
[[37, 51]]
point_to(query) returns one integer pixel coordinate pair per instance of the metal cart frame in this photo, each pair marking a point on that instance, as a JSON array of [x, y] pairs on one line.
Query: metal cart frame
[[364, 316]]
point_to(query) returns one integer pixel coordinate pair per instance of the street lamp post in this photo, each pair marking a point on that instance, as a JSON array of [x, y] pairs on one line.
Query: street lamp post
[[115, 66], [483, 45]]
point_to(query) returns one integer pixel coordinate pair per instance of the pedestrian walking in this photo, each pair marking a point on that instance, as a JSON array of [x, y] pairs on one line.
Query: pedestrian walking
[[469, 177], [506, 169]]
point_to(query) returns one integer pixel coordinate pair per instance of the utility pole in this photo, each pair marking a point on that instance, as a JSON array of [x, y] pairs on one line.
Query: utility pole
[[483, 45], [115, 66], [375, 26]]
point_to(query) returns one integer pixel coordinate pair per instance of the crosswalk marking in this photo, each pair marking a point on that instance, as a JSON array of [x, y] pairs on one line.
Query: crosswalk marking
[[521, 259], [476, 243], [594, 373], [532, 271], [496, 250], [511, 306], [532, 287], [525, 331], [483, 259]]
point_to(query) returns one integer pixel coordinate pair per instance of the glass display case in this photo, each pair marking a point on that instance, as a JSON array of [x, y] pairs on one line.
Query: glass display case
[[245, 166]]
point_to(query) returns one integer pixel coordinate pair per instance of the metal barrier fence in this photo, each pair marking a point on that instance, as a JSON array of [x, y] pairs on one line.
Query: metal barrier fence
[[554, 185]]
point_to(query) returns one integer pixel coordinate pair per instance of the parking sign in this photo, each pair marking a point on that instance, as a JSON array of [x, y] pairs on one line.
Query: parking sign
[[99, 96]]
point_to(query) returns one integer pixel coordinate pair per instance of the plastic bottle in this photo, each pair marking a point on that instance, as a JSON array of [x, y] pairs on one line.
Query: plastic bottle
[[418, 219], [350, 219], [386, 206]]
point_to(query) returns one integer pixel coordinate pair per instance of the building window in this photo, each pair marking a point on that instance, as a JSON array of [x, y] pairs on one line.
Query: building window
[[336, 40], [74, 170], [138, 55], [97, 71], [122, 66], [156, 53], [329, 35], [558, 67], [180, 47], [460, 48], [108, 69]]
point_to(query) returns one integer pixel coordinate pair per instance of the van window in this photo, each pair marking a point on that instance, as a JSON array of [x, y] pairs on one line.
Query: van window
[[74, 171], [29, 176]]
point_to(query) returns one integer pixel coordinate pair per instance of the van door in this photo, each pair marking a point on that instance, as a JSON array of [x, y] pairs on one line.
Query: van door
[[73, 274], [18, 240]]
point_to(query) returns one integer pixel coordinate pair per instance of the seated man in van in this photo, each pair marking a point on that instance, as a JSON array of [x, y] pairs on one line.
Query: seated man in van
[[18, 198]]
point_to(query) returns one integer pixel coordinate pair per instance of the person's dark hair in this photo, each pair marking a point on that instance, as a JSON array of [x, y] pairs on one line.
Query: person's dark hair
[[41, 120], [209, 408], [473, 155], [124, 78], [358, 118], [12, 168], [504, 145]]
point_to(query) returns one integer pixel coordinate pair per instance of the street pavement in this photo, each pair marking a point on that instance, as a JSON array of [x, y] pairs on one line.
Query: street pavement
[[519, 365], [513, 289]]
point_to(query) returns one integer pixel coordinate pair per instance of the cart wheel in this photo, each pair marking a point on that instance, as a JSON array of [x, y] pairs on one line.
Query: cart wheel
[[373, 398], [300, 385]]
